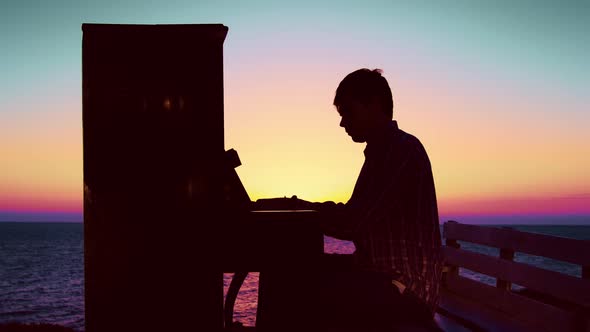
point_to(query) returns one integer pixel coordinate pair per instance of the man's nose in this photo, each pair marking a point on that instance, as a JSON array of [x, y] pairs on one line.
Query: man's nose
[[342, 122]]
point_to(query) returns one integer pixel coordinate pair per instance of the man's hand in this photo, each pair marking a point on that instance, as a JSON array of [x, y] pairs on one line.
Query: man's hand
[[282, 203]]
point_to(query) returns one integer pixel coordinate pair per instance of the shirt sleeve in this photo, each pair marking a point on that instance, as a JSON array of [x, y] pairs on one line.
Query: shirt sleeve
[[395, 190]]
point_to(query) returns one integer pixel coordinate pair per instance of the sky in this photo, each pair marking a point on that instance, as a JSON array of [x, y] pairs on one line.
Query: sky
[[498, 93]]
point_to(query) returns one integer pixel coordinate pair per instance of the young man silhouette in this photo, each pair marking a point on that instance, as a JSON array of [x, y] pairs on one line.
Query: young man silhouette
[[392, 279]]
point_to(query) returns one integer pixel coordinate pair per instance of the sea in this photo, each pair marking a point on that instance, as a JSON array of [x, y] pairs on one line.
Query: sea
[[42, 275]]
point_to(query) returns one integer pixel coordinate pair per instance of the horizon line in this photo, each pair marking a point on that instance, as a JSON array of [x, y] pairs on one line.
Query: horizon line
[[490, 219]]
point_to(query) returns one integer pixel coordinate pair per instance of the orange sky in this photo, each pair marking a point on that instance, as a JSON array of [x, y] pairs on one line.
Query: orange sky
[[501, 111]]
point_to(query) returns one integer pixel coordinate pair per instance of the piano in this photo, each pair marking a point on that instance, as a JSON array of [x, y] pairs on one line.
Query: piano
[[165, 214]]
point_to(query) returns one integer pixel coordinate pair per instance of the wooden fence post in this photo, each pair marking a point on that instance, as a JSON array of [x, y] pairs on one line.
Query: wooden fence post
[[451, 270], [507, 254]]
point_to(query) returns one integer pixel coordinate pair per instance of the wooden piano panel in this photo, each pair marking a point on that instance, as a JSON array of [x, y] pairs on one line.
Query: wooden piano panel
[[153, 148]]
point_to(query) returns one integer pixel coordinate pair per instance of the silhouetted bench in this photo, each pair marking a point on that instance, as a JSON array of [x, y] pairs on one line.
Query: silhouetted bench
[[550, 301]]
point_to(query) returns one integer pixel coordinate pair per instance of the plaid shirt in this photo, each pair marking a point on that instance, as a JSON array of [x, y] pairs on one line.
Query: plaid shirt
[[392, 215]]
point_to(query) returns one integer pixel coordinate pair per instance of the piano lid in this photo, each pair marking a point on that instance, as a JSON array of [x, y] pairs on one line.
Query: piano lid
[[213, 32]]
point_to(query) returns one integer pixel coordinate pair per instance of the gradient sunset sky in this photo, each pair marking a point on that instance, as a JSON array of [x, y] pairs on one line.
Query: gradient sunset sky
[[498, 92]]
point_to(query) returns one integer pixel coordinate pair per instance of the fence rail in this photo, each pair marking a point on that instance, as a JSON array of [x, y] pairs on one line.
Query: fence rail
[[561, 302]]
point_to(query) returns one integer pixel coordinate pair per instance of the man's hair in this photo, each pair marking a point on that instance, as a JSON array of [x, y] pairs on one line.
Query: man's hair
[[364, 84]]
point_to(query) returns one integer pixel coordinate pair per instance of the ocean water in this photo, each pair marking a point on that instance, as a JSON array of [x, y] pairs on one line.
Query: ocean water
[[42, 280], [42, 273]]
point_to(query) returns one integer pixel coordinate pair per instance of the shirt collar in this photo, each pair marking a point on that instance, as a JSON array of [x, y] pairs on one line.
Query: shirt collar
[[382, 138]]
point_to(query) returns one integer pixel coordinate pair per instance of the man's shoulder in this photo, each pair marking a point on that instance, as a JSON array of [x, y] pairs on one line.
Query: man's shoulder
[[412, 147], [409, 141]]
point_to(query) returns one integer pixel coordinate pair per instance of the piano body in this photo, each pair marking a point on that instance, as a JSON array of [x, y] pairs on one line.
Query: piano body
[[165, 214]]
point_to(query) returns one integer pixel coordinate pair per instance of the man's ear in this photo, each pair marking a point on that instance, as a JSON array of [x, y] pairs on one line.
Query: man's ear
[[376, 106]]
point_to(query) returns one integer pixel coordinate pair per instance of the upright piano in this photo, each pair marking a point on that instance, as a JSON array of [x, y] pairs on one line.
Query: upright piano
[[165, 214]]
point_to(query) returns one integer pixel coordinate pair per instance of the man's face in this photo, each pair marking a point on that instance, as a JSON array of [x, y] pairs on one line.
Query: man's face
[[356, 119]]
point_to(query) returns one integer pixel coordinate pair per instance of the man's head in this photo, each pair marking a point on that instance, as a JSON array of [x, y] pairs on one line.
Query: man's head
[[364, 101]]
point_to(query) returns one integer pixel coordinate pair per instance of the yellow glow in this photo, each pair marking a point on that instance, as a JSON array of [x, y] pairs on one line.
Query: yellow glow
[[291, 144], [288, 137]]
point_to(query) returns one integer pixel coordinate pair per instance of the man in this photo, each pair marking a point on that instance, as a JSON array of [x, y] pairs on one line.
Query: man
[[393, 278]]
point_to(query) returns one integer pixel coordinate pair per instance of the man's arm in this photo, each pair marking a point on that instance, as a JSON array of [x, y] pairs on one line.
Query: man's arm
[[336, 220]]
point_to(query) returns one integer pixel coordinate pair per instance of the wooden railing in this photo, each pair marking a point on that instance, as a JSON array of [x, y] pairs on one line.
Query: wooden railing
[[552, 301]]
